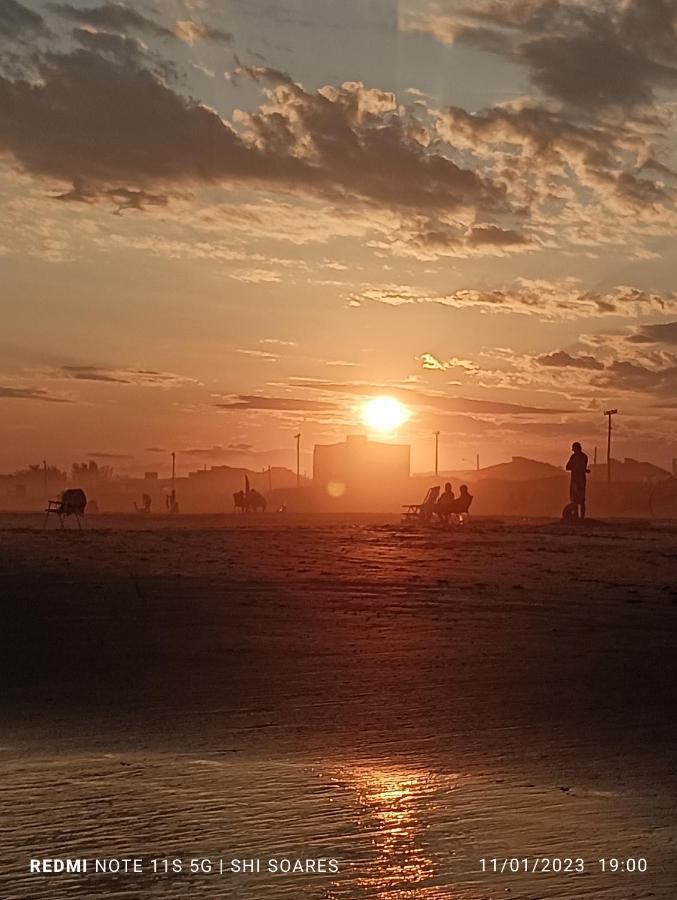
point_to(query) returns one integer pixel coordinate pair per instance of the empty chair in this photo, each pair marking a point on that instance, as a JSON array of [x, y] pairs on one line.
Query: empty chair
[[422, 511], [71, 503]]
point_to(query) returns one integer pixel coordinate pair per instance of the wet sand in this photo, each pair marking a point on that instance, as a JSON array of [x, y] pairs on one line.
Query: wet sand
[[406, 701]]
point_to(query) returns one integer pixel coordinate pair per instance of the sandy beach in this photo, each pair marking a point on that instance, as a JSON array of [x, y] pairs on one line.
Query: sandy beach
[[406, 701]]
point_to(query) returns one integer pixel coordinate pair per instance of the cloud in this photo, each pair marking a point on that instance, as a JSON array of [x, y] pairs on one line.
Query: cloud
[[256, 276], [108, 123], [548, 300], [625, 375], [287, 404], [10, 393], [592, 55], [101, 454], [113, 16], [17, 22], [111, 121], [431, 362], [145, 377], [191, 32], [258, 354], [424, 399], [662, 333], [582, 183], [562, 360]]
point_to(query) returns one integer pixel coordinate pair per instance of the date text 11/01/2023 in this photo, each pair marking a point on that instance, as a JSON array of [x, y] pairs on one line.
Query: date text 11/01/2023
[[514, 865]]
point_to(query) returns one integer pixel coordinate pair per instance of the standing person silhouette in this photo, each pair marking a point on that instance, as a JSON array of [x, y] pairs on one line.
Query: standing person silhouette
[[578, 466]]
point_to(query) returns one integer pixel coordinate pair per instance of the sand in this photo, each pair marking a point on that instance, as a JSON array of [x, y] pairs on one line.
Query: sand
[[407, 701]]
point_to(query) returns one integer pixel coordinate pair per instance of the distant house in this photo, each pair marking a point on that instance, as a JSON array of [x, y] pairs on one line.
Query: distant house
[[361, 469], [630, 470]]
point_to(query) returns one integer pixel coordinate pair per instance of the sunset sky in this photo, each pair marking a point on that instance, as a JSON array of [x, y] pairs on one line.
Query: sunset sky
[[225, 222]]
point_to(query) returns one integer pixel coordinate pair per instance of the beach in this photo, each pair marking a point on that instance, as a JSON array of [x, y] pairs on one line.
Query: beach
[[404, 701]]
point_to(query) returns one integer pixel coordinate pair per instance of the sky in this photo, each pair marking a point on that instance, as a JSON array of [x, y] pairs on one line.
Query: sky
[[228, 222]]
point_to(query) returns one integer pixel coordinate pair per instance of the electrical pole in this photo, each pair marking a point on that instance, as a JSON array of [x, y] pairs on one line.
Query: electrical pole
[[172, 500], [297, 437], [609, 413], [270, 479], [437, 452], [477, 462]]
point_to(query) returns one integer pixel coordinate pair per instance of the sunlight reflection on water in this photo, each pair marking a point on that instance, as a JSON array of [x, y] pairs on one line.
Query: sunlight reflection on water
[[394, 809]]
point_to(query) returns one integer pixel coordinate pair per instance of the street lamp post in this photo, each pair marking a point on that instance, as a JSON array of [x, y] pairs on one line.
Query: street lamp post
[[297, 438], [609, 413], [437, 452]]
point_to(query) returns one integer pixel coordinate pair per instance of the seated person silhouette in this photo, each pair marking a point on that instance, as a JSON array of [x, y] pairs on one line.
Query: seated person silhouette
[[462, 502], [445, 504]]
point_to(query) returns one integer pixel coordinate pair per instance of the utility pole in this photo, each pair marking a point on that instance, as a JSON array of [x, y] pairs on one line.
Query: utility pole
[[297, 437], [609, 413], [173, 505], [270, 479], [437, 452], [44, 476], [594, 458], [477, 462]]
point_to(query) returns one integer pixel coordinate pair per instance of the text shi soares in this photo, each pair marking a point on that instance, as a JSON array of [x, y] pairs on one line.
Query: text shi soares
[[285, 866]]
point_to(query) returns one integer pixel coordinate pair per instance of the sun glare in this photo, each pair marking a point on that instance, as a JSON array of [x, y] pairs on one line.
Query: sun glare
[[384, 414]]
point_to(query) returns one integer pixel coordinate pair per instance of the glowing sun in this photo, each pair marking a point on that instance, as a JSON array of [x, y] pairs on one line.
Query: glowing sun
[[384, 414]]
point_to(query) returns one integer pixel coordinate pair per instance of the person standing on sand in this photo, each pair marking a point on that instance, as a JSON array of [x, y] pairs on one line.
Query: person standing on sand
[[578, 466]]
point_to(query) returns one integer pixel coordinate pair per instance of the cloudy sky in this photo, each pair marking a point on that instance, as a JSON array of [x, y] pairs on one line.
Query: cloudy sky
[[225, 222]]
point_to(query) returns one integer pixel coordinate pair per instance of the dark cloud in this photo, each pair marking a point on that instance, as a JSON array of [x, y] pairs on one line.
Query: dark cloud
[[17, 22], [626, 375], [113, 16], [665, 333], [123, 198], [107, 124], [560, 359], [145, 377], [237, 452], [492, 235], [9, 393], [120, 46], [100, 454], [250, 401], [590, 55], [113, 126], [92, 373]]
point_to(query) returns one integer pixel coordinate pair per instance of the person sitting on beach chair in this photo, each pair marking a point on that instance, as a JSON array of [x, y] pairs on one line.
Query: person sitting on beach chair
[[461, 507], [422, 511], [445, 504]]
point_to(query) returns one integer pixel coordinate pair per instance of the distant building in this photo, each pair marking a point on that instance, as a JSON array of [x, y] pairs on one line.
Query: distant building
[[360, 469]]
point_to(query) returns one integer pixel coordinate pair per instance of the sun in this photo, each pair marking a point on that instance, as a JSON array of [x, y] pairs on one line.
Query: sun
[[384, 414]]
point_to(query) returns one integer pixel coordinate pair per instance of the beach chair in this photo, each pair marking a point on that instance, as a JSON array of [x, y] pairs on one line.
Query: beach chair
[[422, 512], [71, 503]]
